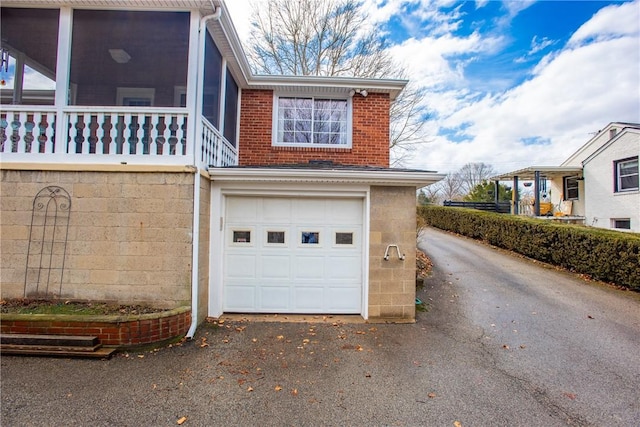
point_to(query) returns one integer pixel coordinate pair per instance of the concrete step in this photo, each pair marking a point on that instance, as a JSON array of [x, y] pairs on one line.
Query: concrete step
[[49, 340], [100, 353], [53, 345]]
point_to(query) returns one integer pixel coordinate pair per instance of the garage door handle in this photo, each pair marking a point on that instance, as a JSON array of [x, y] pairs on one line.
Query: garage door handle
[[386, 253]]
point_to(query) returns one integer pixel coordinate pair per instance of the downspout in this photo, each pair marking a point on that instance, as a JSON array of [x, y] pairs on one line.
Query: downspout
[[195, 264]]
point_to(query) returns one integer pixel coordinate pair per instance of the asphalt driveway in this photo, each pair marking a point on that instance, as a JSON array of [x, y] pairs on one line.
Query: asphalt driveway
[[504, 342]]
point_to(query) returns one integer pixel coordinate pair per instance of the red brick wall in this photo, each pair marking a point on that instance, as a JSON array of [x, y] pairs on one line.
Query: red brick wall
[[370, 138], [124, 333]]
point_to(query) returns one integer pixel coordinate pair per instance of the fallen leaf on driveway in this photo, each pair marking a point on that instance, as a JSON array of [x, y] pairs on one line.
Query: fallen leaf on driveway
[[181, 421], [457, 424], [590, 317], [571, 396], [294, 392], [250, 389], [280, 337], [431, 395], [277, 388], [506, 347]]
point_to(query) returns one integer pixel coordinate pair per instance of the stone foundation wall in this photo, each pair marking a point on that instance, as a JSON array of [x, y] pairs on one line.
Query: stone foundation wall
[[129, 237], [392, 283]]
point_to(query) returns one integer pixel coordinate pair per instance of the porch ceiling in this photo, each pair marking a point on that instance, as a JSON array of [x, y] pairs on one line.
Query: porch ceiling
[[549, 172]]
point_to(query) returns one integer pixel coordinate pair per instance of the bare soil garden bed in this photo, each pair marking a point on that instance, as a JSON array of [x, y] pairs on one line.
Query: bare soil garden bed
[[41, 306]]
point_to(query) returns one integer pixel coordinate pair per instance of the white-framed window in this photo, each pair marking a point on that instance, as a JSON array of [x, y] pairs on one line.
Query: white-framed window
[[626, 174], [135, 96], [312, 121], [621, 223], [309, 238], [241, 236], [571, 188], [276, 238]]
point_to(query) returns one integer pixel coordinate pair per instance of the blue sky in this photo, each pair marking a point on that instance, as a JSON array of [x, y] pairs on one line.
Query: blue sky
[[511, 83]]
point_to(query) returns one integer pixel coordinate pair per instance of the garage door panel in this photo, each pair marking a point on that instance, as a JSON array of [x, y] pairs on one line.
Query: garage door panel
[[309, 267], [310, 210], [343, 299], [274, 297], [244, 208], [309, 298], [238, 297], [276, 210], [276, 267], [344, 267], [243, 266], [345, 212]]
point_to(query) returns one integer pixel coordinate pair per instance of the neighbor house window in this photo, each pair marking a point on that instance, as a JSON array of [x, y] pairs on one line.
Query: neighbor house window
[[621, 223], [571, 188], [626, 174], [312, 121]]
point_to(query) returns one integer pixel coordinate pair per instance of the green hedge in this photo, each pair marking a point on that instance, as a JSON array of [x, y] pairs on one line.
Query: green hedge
[[606, 255]]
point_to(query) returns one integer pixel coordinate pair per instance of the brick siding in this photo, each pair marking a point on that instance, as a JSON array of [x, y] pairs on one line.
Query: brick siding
[[370, 137], [116, 332]]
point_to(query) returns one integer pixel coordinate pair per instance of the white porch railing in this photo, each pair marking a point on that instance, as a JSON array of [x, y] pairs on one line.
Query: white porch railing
[[215, 149], [108, 135]]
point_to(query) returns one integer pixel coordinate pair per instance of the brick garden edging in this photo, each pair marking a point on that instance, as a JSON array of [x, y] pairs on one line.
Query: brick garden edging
[[113, 331]]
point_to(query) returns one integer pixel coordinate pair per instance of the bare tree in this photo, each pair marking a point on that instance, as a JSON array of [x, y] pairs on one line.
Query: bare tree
[[473, 174], [432, 193], [334, 38], [451, 187]]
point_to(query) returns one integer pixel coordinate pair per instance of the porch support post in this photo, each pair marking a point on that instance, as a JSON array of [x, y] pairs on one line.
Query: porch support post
[[496, 195], [63, 72], [536, 193], [194, 86], [516, 196], [18, 79]]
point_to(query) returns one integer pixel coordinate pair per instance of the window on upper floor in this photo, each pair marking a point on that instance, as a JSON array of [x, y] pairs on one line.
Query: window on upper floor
[[312, 121], [571, 188], [626, 174]]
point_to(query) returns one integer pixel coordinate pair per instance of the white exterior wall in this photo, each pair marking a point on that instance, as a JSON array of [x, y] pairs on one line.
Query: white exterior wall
[[602, 204], [557, 194]]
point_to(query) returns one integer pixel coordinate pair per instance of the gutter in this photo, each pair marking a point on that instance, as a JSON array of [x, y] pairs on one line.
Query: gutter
[[195, 244]]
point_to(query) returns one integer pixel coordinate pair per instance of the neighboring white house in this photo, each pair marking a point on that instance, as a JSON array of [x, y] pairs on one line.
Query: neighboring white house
[[597, 185], [610, 171]]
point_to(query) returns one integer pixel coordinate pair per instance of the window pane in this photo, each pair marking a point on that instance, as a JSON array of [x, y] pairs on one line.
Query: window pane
[[275, 236], [241, 236], [310, 238], [212, 82], [132, 49], [31, 34], [627, 171], [344, 238], [230, 109], [312, 121], [629, 182]]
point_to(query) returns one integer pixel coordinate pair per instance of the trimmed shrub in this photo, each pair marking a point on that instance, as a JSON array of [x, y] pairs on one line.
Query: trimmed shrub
[[607, 255]]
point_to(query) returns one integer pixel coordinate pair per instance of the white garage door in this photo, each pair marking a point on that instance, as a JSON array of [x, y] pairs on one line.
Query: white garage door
[[293, 255]]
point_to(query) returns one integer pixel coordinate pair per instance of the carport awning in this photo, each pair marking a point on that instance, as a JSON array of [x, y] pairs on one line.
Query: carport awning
[[548, 172]]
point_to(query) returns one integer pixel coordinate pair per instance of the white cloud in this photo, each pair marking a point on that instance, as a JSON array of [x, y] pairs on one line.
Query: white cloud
[[571, 92]]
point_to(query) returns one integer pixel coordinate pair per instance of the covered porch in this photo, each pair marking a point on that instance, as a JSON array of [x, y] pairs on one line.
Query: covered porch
[[104, 86], [551, 192]]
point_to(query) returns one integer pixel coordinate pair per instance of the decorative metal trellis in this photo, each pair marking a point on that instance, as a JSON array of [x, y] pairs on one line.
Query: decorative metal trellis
[[47, 243]]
